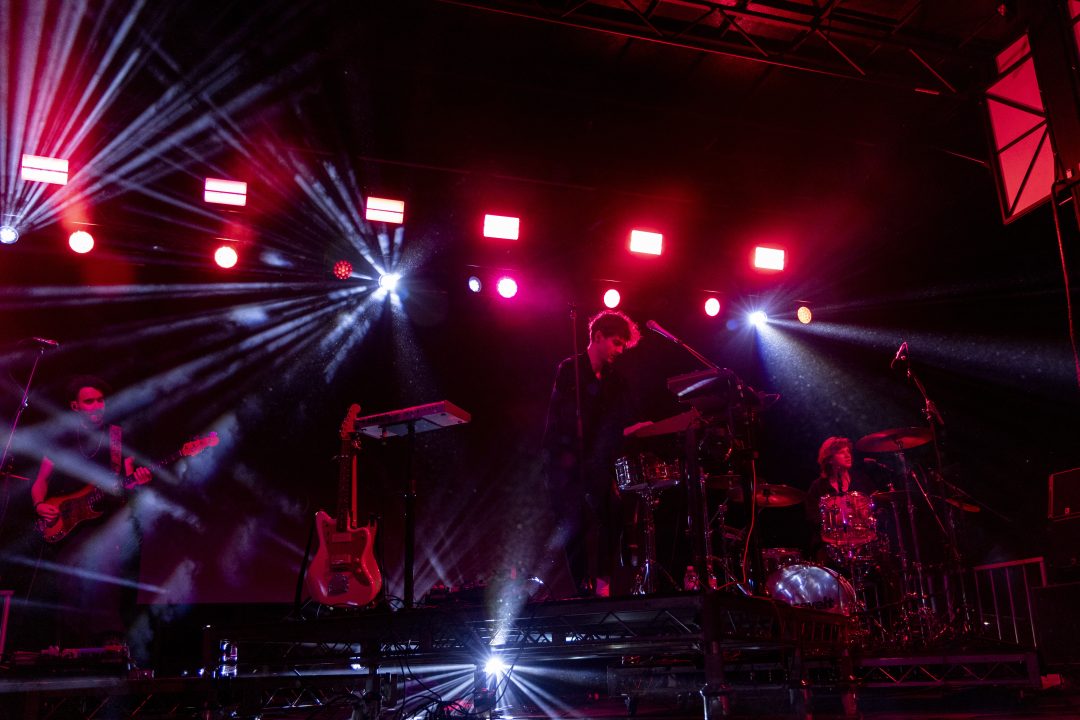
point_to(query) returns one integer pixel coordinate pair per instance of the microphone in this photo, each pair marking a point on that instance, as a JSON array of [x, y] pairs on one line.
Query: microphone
[[901, 354], [655, 327], [45, 342]]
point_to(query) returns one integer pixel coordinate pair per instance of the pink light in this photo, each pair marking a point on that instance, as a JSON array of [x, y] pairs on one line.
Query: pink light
[[37, 168], [507, 287], [226, 257], [612, 298], [225, 192], [645, 242], [501, 227], [384, 210], [712, 307], [766, 258], [81, 242], [343, 269]]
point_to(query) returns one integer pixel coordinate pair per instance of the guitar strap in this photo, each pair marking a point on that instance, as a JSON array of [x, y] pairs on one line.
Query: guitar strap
[[116, 451]]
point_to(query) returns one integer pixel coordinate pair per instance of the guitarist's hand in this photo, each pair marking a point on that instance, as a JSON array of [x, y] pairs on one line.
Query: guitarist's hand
[[142, 476], [47, 510]]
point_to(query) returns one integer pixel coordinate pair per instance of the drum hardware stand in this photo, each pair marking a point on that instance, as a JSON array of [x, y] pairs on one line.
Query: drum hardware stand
[[644, 580]]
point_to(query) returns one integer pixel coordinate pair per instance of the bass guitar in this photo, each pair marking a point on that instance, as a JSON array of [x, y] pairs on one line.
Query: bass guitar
[[91, 502], [343, 570]]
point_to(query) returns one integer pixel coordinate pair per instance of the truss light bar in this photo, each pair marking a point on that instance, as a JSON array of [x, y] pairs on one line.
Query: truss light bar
[[767, 258], [501, 227], [385, 210], [36, 168], [645, 242], [225, 192]]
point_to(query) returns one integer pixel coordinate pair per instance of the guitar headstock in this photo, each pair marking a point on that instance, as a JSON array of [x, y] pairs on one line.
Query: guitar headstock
[[348, 425], [196, 446]]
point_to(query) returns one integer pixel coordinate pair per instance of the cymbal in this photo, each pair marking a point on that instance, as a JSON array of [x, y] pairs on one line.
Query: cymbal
[[771, 495], [894, 440], [898, 496]]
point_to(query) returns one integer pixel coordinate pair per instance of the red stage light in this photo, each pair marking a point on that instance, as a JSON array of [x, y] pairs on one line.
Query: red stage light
[[225, 192], [44, 169], [768, 258], [501, 227], [226, 256], [343, 269], [507, 287], [81, 242], [384, 210], [612, 298], [712, 307], [645, 242]]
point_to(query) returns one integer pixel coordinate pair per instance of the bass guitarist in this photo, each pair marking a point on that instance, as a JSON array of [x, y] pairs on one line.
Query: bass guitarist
[[91, 578]]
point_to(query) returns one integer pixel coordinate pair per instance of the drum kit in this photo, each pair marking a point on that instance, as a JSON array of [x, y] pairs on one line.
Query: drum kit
[[875, 564]]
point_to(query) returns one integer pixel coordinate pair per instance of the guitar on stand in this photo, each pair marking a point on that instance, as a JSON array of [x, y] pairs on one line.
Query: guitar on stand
[[343, 570], [90, 502]]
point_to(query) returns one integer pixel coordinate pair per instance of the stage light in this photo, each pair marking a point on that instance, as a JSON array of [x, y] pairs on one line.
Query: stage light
[[81, 242], [507, 287], [495, 666], [501, 227], [389, 281], [646, 243], [612, 298], [36, 168], [758, 318], [712, 307], [226, 256], [474, 284], [225, 192], [384, 210], [343, 269], [9, 235], [768, 258], [804, 314]]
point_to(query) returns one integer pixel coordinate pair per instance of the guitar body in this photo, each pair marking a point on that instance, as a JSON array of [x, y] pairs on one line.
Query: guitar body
[[343, 570], [80, 506], [92, 502]]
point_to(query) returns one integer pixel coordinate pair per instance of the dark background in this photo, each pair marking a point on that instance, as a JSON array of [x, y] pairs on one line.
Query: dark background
[[883, 197]]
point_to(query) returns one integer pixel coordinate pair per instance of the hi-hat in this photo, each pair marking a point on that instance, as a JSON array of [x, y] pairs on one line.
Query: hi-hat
[[894, 440]]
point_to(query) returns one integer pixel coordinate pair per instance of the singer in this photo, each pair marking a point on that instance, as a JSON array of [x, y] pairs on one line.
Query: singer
[[580, 460]]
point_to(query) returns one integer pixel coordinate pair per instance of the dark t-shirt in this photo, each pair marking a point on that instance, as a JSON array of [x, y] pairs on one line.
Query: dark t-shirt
[[607, 407]]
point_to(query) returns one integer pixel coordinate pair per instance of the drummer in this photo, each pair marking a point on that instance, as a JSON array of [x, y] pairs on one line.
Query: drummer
[[835, 458]]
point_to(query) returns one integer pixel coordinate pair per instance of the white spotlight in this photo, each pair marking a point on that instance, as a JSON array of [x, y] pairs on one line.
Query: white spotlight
[[758, 318], [389, 281], [9, 235], [495, 666], [81, 242], [474, 284]]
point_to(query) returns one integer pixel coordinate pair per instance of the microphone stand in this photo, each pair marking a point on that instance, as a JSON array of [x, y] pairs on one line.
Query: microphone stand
[[5, 471], [953, 574]]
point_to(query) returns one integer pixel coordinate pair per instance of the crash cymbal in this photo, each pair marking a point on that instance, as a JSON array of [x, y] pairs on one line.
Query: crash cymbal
[[893, 440], [771, 495], [962, 504]]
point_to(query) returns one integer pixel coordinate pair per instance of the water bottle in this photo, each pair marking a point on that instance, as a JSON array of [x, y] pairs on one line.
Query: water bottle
[[691, 581]]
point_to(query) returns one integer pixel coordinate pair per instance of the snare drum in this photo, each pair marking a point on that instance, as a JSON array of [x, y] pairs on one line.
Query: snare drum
[[848, 520], [646, 471], [812, 586]]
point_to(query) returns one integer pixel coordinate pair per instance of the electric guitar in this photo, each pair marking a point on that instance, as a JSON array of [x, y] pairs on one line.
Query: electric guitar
[[91, 503], [343, 570]]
